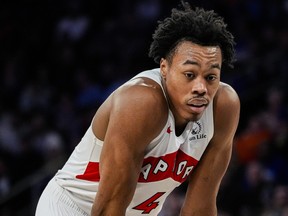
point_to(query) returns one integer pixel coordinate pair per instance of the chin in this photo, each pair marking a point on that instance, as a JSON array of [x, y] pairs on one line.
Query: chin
[[195, 117]]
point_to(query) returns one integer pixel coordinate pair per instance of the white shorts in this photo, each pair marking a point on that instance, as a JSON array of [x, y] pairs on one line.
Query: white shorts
[[54, 201]]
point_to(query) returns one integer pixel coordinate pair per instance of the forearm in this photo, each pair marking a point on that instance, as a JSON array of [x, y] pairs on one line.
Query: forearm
[[113, 198], [115, 191], [112, 201]]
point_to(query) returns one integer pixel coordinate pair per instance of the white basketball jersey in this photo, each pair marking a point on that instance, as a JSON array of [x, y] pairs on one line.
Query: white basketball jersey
[[168, 161]]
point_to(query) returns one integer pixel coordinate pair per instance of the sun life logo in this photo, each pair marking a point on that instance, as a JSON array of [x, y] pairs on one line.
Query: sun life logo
[[196, 132]]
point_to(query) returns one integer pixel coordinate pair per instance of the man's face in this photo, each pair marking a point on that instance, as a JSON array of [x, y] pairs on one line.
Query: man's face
[[191, 79]]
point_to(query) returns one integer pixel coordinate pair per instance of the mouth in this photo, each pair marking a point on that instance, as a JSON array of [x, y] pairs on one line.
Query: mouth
[[197, 106], [197, 109]]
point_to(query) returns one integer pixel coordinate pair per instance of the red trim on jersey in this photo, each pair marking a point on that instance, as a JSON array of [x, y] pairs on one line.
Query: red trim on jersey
[[91, 173], [177, 165]]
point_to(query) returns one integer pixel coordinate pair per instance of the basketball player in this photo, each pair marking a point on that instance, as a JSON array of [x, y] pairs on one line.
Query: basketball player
[[166, 125]]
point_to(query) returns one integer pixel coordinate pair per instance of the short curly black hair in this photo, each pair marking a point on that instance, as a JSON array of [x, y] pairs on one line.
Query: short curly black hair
[[203, 27]]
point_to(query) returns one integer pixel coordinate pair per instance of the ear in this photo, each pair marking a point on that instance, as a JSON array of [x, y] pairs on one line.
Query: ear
[[163, 67]]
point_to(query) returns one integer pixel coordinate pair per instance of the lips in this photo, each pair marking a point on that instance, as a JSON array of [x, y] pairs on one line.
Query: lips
[[197, 105], [198, 102], [197, 109]]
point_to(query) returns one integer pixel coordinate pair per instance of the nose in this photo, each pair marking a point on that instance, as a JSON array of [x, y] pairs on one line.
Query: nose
[[199, 87]]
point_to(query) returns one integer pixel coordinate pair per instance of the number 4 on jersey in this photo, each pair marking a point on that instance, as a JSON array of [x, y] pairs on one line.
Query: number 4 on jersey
[[150, 204]]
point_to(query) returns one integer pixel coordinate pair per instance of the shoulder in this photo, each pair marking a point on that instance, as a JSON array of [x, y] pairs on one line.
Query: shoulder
[[139, 103], [142, 102], [139, 93], [226, 96], [226, 108]]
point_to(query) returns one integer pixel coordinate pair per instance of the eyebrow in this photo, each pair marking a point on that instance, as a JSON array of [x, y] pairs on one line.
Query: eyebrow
[[188, 62]]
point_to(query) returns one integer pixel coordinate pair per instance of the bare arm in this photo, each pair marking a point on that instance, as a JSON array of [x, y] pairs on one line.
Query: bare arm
[[136, 117], [205, 181]]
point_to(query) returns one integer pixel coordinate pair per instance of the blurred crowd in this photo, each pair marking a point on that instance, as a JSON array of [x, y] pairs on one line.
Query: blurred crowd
[[60, 60]]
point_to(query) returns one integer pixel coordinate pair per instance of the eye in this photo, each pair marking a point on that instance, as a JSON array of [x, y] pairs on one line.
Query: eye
[[189, 75], [211, 77]]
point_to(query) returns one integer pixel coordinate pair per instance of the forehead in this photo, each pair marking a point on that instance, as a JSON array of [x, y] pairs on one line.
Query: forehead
[[191, 50]]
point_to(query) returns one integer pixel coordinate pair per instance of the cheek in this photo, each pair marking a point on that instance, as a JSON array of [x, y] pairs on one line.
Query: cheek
[[213, 90], [178, 93], [174, 85]]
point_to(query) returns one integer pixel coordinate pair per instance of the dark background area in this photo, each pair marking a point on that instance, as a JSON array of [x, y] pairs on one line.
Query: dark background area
[[61, 59]]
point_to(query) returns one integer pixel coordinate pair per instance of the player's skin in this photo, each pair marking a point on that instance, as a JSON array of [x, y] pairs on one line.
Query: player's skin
[[136, 113]]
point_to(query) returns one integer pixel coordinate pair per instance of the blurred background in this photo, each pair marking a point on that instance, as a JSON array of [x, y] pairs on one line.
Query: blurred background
[[61, 59]]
